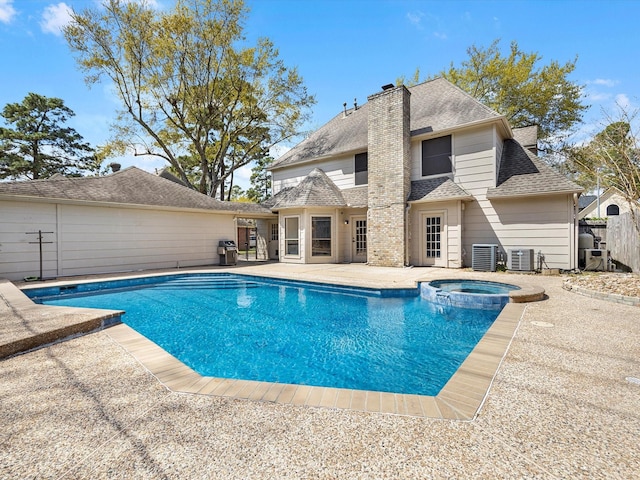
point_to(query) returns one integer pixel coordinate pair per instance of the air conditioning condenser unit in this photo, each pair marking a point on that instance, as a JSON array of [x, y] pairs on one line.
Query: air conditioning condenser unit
[[484, 257], [520, 259]]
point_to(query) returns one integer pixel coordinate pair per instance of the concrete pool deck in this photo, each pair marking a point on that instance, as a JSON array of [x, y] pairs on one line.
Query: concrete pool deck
[[561, 405]]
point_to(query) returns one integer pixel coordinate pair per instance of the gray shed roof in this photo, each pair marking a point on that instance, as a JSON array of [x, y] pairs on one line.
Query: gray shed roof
[[130, 186], [436, 105], [524, 174]]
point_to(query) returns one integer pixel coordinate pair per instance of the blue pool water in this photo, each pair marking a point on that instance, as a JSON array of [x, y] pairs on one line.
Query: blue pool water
[[253, 328]]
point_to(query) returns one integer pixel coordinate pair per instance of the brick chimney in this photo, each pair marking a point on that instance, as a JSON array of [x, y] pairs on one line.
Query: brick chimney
[[389, 176]]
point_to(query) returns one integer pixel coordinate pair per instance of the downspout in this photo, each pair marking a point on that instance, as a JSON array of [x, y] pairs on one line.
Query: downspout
[[407, 234], [574, 243]]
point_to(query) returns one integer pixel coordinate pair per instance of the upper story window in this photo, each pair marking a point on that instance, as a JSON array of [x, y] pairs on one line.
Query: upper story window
[[436, 156], [362, 168]]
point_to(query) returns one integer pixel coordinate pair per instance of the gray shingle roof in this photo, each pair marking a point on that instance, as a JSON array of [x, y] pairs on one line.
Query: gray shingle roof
[[130, 186], [315, 190], [526, 136], [356, 196], [436, 105], [436, 189], [522, 174], [585, 200]]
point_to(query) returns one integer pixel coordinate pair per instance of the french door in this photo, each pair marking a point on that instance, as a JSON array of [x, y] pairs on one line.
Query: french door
[[434, 238], [359, 239]]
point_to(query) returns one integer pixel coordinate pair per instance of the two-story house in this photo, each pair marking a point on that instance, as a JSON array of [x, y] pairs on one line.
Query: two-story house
[[418, 176]]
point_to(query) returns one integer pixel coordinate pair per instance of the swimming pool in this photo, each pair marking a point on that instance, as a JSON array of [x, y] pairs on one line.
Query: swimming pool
[[253, 328]]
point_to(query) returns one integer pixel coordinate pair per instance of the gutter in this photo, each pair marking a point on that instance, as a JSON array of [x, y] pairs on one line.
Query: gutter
[[97, 203]]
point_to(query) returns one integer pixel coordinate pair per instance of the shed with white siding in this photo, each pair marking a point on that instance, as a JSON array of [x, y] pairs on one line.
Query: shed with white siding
[[127, 221]]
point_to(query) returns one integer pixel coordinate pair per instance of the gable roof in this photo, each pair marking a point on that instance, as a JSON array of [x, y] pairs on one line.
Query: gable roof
[[524, 174], [130, 186], [315, 190], [436, 105], [590, 207]]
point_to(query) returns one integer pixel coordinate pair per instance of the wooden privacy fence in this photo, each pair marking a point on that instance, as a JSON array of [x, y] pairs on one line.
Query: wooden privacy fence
[[623, 239]]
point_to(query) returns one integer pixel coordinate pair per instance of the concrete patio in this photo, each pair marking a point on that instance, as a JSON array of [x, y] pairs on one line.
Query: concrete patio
[[564, 404]]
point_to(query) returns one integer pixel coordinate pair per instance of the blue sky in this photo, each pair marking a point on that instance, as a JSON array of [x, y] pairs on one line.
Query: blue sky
[[347, 49]]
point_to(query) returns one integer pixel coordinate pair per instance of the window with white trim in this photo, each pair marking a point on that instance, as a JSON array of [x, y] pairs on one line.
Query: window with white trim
[[320, 236], [291, 236]]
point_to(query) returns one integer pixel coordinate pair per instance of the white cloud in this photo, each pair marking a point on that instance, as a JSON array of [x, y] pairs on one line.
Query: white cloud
[[623, 101], [7, 12], [415, 18], [606, 82], [150, 3], [242, 176], [55, 17], [598, 97]]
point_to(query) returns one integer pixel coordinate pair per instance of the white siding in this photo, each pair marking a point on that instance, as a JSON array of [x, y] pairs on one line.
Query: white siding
[[338, 235], [345, 232], [91, 239], [542, 223], [474, 152], [340, 170], [453, 232], [19, 257], [302, 230], [499, 143], [473, 156]]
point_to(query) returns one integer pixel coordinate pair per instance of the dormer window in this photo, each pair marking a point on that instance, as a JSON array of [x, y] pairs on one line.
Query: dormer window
[[362, 169], [436, 156]]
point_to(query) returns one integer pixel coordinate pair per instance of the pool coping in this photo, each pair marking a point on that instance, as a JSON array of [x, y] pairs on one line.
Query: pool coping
[[460, 399]]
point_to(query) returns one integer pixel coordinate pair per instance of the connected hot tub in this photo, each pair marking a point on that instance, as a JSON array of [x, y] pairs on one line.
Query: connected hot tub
[[468, 293]]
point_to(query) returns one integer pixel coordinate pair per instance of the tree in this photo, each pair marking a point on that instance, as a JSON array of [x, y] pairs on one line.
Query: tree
[[611, 157], [192, 92], [260, 180], [526, 93], [236, 194], [38, 145]]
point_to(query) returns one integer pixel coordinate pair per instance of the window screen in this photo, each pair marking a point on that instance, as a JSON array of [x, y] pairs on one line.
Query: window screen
[[292, 242], [321, 236], [436, 156], [362, 167]]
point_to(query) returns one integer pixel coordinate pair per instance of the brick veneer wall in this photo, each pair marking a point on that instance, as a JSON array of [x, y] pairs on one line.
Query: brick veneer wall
[[388, 177]]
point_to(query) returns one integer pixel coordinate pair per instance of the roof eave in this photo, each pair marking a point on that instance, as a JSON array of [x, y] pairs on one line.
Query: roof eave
[[501, 120], [464, 198], [494, 196], [97, 203]]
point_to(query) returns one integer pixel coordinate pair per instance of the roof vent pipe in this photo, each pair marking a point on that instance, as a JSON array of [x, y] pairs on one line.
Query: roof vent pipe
[[388, 86], [344, 105]]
